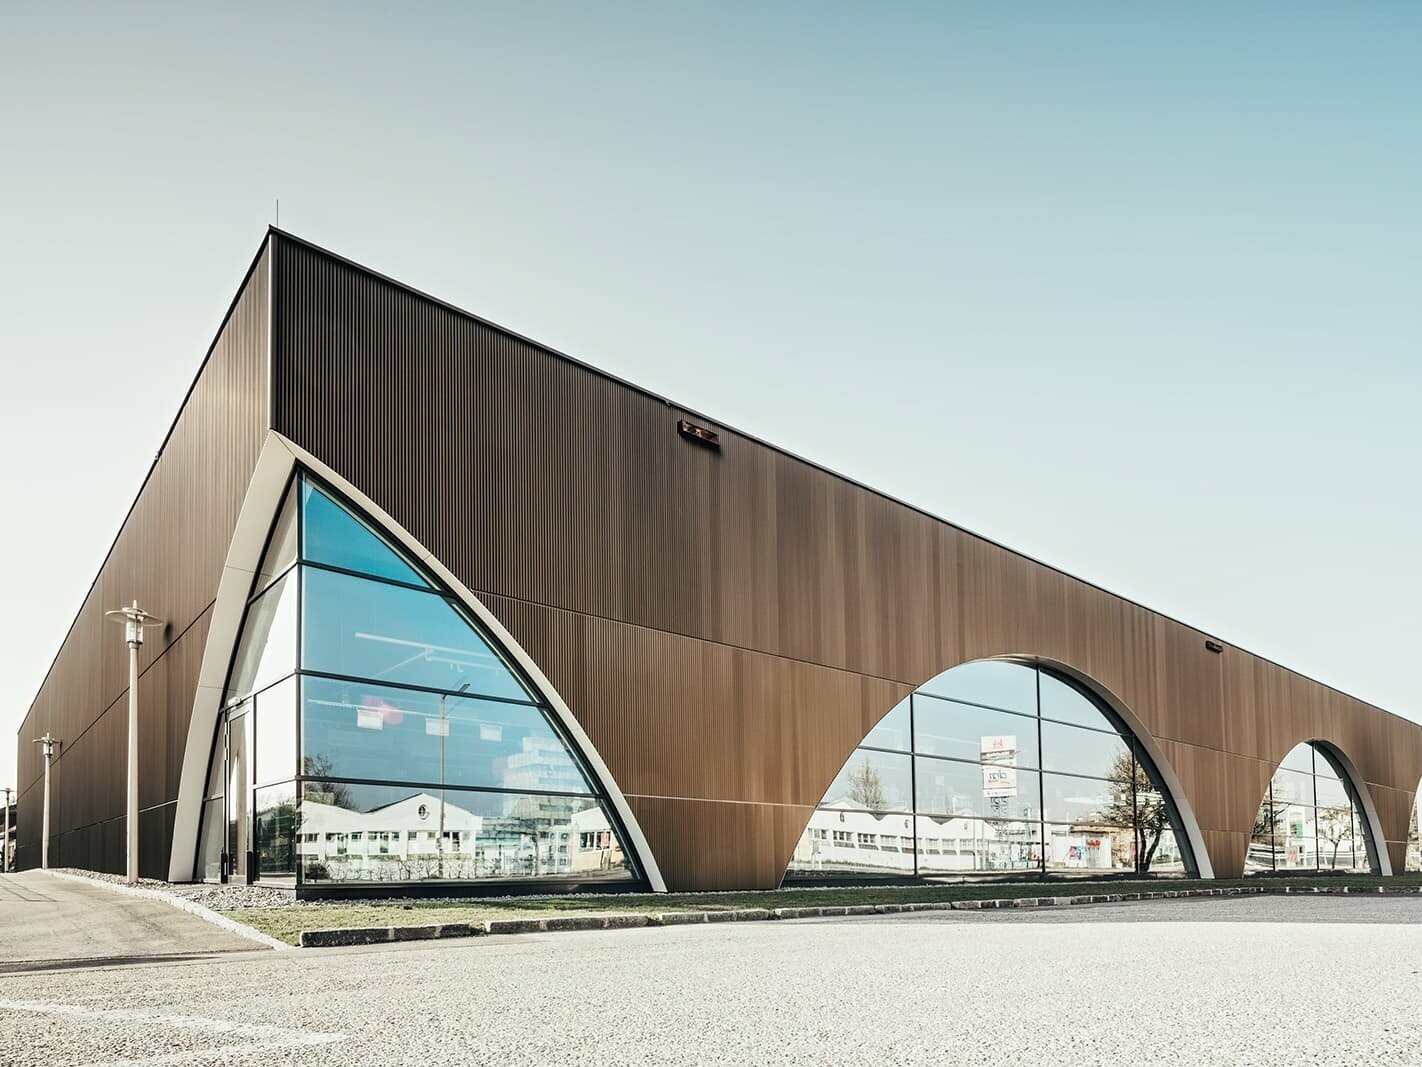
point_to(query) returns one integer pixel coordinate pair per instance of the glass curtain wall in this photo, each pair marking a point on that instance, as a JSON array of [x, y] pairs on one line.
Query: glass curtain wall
[[994, 768], [1310, 819], [1413, 862], [373, 732]]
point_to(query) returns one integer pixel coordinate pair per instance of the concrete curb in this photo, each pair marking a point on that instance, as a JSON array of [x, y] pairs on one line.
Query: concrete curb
[[191, 907], [627, 920]]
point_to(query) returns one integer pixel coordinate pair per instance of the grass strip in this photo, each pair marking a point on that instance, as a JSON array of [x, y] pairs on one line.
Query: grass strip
[[287, 923]]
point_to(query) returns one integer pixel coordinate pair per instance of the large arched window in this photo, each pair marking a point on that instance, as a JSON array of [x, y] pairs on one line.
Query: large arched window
[[1310, 818], [374, 732], [995, 767]]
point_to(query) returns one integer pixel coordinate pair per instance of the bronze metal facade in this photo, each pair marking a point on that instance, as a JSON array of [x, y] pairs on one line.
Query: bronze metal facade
[[726, 623]]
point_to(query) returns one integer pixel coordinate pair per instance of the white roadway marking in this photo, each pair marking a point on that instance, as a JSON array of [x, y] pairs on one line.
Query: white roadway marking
[[268, 1037]]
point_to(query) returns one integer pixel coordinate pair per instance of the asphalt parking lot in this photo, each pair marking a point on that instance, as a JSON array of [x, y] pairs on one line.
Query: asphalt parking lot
[[48, 922], [1219, 980]]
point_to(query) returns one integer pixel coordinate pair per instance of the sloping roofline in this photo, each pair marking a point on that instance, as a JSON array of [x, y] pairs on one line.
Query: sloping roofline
[[273, 231]]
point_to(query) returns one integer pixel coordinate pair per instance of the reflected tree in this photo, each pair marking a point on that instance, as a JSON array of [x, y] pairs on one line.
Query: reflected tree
[[1136, 803], [1335, 824], [337, 794], [866, 788]]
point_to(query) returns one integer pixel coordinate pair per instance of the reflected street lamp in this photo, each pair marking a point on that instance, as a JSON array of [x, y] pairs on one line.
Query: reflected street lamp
[[49, 742], [443, 733], [135, 620]]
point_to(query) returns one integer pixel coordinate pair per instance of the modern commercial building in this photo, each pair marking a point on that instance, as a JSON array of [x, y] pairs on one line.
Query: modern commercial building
[[445, 607]]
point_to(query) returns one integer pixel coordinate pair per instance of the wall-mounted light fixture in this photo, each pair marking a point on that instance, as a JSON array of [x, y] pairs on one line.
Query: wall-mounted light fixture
[[702, 435], [1214, 646]]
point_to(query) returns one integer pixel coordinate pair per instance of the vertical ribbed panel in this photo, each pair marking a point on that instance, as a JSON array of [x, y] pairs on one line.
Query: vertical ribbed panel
[[727, 624], [168, 555]]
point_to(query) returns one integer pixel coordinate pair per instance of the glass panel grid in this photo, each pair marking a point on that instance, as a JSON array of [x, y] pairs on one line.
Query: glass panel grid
[[1309, 819], [976, 770], [361, 628], [332, 534], [352, 832], [457, 717]]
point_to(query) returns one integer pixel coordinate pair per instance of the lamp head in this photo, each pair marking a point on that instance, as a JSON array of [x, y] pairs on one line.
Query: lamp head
[[135, 620]]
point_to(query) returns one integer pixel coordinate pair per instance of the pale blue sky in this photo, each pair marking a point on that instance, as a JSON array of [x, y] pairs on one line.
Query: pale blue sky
[[1134, 291]]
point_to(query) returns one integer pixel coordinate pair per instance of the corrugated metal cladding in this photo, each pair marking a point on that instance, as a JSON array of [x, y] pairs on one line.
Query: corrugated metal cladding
[[168, 555], [728, 623]]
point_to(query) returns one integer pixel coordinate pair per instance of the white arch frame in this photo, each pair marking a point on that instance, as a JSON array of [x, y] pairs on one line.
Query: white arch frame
[[1188, 823], [1376, 843], [280, 456], [1203, 867]]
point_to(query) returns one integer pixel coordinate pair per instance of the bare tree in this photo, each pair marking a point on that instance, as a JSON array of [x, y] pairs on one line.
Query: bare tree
[[1334, 824], [1135, 802], [319, 766], [866, 788]]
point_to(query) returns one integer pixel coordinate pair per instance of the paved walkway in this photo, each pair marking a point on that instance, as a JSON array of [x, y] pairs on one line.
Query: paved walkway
[[51, 923], [1269, 980]]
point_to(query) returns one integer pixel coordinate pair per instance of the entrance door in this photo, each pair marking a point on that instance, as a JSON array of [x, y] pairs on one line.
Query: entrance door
[[239, 794]]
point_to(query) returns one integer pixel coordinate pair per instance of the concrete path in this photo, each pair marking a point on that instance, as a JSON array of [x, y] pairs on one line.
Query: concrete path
[[49, 923], [1270, 980]]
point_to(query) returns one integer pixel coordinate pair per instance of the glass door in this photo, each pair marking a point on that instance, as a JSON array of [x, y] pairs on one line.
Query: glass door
[[239, 794]]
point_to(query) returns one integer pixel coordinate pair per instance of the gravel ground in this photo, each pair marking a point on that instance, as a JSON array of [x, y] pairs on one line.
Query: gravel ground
[[1268, 980], [216, 897]]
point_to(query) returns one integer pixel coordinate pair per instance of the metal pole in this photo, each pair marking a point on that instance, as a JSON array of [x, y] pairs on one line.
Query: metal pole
[[134, 620], [5, 841], [439, 841], [443, 730], [48, 741], [132, 762], [44, 839]]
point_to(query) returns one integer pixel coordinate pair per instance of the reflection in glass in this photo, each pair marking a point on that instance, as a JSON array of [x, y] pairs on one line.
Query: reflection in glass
[[892, 731], [1066, 703], [274, 740], [1089, 847], [947, 787], [1414, 840], [418, 695], [388, 633], [267, 651], [1309, 819], [855, 842], [239, 790], [352, 729], [1330, 792], [215, 766], [956, 845], [335, 536], [997, 787], [274, 824], [281, 547], [1068, 798], [965, 731], [349, 832], [1292, 787], [1077, 751], [1299, 758], [209, 863], [873, 781], [996, 683], [1335, 827]]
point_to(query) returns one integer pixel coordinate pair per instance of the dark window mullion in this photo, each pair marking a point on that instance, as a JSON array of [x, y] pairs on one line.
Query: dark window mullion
[[402, 784], [1041, 782], [913, 789]]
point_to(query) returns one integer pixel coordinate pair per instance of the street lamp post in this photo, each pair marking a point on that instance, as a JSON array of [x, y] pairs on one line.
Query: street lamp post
[[135, 620], [5, 840], [443, 733], [48, 741]]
